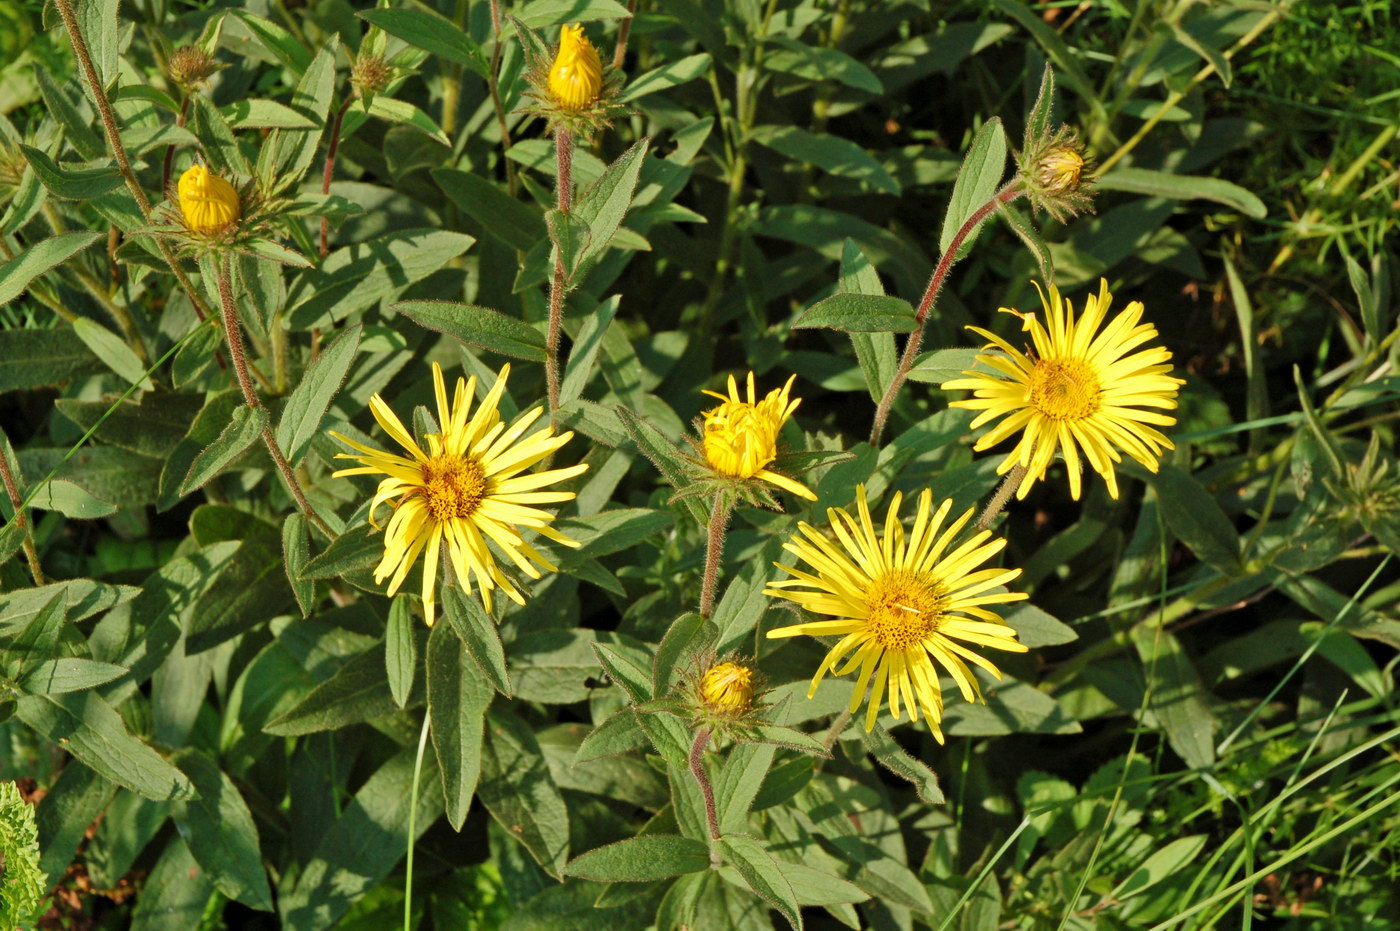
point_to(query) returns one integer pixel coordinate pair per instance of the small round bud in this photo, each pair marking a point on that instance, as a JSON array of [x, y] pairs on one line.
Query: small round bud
[[209, 203], [727, 688], [189, 66], [1059, 170], [370, 75], [576, 77]]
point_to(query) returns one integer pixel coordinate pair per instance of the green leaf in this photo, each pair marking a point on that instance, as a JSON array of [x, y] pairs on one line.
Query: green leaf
[[1011, 707], [72, 183], [357, 548], [1038, 124], [1212, 55], [457, 703], [618, 734], [274, 252], [260, 113], [540, 13], [1179, 699], [402, 112], [176, 894], [479, 635], [287, 153], [153, 427], [296, 550], [688, 636], [219, 829], [1195, 517], [816, 887], [933, 368], [301, 418], [17, 274], [874, 351], [820, 65], [604, 205], [570, 236], [663, 454], [278, 41], [97, 21], [786, 737], [113, 350], [670, 75], [860, 313], [629, 675], [400, 650], [1066, 61], [67, 674], [39, 358], [739, 781], [762, 874], [1022, 226], [892, 756], [510, 220], [1035, 628], [477, 326], [432, 33], [584, 352], [978, 181], [242, 431], [1182, 187], [356, 692], [640, 859], [91, 730], [833, 154], [1169, 861], [518, 790], [360, 275]]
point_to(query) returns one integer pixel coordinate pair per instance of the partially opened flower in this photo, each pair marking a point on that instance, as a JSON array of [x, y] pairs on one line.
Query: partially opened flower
[[1080, 389], [740, 437], [208, 202], [727, 688], [468, 487], [902, 606], [576, 75]]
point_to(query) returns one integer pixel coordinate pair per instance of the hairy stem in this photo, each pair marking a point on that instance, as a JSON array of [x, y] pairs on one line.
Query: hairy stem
[[331, 148], [494, 83], [697, 769], [714, 549], [31, 554], [233, 333], [169, 164], [412, 826], [564, 161], [624, 32], [1008, 487], [1006, 195]]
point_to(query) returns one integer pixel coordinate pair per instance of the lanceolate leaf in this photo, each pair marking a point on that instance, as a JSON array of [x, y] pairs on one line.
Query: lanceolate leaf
[[762, 873], [243, 431], [639, 859], [518, 790], [478, 326], [16, 274], [219, 829], [977, 182], [458, 696], [478, 633], [301, 418]]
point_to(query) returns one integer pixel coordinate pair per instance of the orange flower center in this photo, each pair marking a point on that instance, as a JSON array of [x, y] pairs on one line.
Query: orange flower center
[[1064, 389], [904, 607], [453, 485]]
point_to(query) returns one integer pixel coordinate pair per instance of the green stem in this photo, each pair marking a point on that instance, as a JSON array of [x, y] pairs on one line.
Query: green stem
[[413, 825], [31, 554], [331, 149], [714, 549], [623, 33], [564, 166], [1008, 487]]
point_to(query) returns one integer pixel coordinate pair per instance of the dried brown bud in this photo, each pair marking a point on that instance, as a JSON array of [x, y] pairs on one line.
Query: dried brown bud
[[370, 75], [190, 66]]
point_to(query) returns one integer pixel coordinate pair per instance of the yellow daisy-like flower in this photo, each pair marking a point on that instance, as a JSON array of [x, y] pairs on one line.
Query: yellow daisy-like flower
[[208, 202], [468, 487], [1080, 388], [727, 688], [1059, 169], [740, 438], [899, 604], [576, 77]]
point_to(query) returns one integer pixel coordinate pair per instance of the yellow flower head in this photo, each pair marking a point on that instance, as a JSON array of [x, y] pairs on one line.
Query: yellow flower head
[[576, 77], [208, 202], [899, 603], [740, 438], [1059, 169], [727, 688], [469, 486], [1078, 389]]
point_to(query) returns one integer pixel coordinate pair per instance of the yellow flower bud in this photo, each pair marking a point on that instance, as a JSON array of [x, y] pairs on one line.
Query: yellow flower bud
[[576, 77], [1059, 169], [727, 688], [208, 202]]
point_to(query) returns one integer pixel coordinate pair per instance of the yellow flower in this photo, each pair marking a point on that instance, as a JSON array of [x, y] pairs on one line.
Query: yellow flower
[[1059, 169], [208, 202], [1078, 389], [727, 688], [468, 487], [741, 437], [899, 604], [576, 77]]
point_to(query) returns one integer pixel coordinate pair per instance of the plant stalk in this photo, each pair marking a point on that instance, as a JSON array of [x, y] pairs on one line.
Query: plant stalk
[[714, 549], [493, 82], [1008, 487], [697, 769], [331, 149], [412, 826], [31, 554], [1006, 195], [564, 164], [233, 333], [624, 32]]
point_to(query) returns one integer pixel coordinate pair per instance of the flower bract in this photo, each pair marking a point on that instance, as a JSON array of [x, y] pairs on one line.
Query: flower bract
[[209, 203], [576, 76], [1078, 389], [902, 605], [468, 487], [740, 437]]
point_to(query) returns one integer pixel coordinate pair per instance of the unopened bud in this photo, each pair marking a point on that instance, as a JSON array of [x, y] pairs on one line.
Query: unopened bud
[[190, 66], [209, 203], [370, 75], [727, 688], [1059, 170], [576, 77]]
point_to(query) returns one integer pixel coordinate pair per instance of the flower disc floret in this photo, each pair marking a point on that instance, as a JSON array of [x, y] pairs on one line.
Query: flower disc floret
[[576, 76], [739, 438], [1080, 387], [209, 203], [903, 606], [468, 487]]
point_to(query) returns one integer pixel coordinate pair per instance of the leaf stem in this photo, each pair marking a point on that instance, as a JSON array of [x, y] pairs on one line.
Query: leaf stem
[[1006, 195], [714, 549], [623, 33], [331, 149], [697, 769], [493, 82], [564, 165], [1008, 487], [412, 825], [12, 490]]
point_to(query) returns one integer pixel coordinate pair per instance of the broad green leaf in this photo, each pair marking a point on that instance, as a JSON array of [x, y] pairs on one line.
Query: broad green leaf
[[38, 358], [816, 887], [893, 757], [604, 205], [478, 633], [77, 798], [739, 780], [688, 637], [457, 701], [1038, 125], [570, 236], [242, 431], [640, 859], [211, 421], [584, 352], [287, 153], [175, 896], [1182, 187], [67, 674], [1034, 628], [1179, 699], [37, 640], [538, 14], [518, 790], [786, 737], [402, 112], [154, 427], [630, 675], [670, 75], [618, 734], [820, 64], [72, 183], [978, 181], [296, 550], [355, 549], [512, 221], [859, 313], [874, 351], [113, 350], [35, 260], [432, 33], [260, 113], [762, 873], [356, 692], [1010, 707], [830, 153], [933, 368], [278, 41], [400, 650], [301, 418], [98, 23], [91, 730], [1212, 55], [663, 454], [250, 591], [1022, 226], [478, 326], [1195, 517], [219, 829], [76, 129]]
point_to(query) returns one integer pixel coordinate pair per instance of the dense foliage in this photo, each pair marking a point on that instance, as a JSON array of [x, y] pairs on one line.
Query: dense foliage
[[240, 691]]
